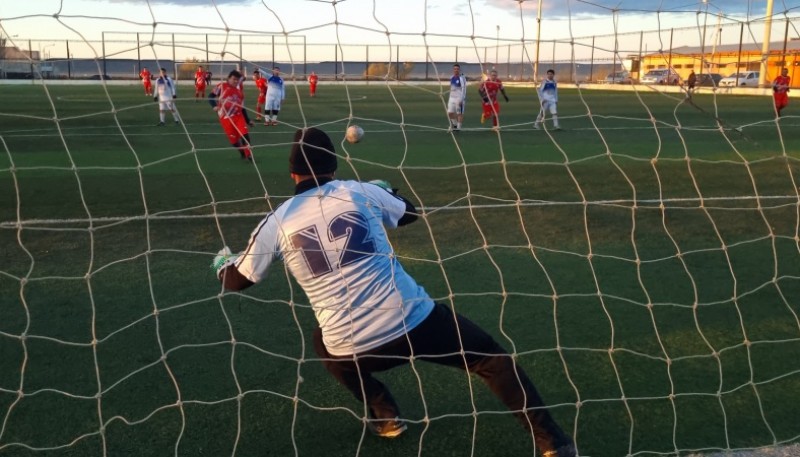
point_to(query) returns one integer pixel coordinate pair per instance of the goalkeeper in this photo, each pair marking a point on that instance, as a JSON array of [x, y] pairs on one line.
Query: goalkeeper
[[332, 238]]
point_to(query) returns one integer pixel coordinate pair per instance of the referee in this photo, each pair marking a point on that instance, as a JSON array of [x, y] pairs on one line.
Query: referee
[[372, 315]]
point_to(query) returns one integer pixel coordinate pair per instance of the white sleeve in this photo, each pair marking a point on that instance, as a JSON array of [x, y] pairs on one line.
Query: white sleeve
[[392, 207], [254, 262]]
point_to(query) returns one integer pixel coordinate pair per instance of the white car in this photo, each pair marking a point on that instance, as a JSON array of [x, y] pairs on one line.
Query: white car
[[745, 78], [661, 76], [619, 77]]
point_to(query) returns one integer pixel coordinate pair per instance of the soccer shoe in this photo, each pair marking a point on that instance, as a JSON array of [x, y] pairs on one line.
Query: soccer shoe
[[177, 122], [567, 450], [160, 124], [258, 118], [387, 428]]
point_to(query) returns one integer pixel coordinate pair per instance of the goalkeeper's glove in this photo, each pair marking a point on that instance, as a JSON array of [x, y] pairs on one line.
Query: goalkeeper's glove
[[383, 184], [223, 260]]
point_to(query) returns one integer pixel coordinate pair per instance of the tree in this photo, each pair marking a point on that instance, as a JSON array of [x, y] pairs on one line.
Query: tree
[[187, 68], [389, 71]]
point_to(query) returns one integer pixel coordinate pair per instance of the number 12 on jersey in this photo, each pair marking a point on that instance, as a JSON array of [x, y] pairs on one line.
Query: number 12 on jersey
[[352, 226]]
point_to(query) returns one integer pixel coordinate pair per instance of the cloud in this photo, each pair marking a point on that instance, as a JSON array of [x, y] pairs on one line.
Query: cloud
[[187, 2], [584, 8]]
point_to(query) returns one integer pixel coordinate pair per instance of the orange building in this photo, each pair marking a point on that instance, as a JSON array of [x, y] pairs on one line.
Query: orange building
[[728, 59]]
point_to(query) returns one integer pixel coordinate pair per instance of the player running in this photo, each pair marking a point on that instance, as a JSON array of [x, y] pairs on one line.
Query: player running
[[227, 100], [199, 83], [548, 97], [261, 85], [372, 315], [458, 98], [275, 95], [147, 82], [780, 90], [312, 84], [166, 93], [488, 91]]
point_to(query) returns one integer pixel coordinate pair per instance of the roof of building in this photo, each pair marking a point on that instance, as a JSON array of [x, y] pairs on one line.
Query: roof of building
[[747, 48]]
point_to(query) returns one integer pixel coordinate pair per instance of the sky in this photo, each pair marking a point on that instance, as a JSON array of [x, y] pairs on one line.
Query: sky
[[350, 22]]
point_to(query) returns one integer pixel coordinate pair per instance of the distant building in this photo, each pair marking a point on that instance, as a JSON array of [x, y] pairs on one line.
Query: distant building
[[727, 59], [15, 53]]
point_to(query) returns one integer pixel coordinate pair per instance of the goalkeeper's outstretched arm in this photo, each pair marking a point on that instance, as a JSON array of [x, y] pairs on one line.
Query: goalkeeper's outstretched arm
[[225, 267], [410, 214], [232, 280]]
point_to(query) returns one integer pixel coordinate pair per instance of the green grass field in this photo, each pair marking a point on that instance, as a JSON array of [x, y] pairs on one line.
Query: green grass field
[[650, 332]]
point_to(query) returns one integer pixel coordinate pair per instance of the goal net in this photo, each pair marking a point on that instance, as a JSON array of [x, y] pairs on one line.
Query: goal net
[[639, 259]]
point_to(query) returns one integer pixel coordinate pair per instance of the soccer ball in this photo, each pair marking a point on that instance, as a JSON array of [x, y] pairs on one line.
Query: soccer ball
[[354, 134]]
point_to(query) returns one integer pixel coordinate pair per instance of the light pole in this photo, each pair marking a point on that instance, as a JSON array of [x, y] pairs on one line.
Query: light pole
[[42, 51], [497, 46], [762, 77], [538, 36]]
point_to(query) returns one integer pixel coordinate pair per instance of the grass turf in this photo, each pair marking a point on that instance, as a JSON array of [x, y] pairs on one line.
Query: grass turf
[[649, 331]]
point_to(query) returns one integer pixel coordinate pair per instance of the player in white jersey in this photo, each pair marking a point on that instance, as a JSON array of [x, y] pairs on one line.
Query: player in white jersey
[[275, 95], [372, 315], [548, 98], [166, 93], [458, 98]]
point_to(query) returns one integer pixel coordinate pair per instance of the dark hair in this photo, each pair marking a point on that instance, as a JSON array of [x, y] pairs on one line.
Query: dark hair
[[551, 71], [312, 153], [163, 69], [234, 73], [456, 65]]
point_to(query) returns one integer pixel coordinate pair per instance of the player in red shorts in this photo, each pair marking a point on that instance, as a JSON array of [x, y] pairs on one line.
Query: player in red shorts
[[488, 91], [261, 85], [780, 90], [199, 83], [147, 82], [227, 100], [312, 83]]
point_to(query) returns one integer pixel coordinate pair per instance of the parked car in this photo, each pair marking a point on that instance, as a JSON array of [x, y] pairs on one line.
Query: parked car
[[99, 77], [743, 78], [709, 79], [619, 77], [661, 76]]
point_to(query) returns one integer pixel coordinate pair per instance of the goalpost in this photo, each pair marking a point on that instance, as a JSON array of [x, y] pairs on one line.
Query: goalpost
[[642, 265]]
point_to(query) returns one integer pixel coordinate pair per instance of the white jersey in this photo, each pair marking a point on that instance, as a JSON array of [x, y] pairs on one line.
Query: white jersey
[[458, 89], [548, 91], [333, 241], [275, 89], [165, 88]]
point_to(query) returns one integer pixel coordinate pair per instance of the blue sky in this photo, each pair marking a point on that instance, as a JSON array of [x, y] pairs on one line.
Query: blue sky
[[365, 21]]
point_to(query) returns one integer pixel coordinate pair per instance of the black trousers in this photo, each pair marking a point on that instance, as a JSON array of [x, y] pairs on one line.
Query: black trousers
[[438, 334]]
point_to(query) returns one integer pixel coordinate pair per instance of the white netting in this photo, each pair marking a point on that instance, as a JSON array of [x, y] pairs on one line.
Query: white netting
[[642, 265]]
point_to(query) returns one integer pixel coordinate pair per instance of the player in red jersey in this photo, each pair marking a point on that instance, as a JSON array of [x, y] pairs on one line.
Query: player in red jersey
[[312, 83], [488, 91], [261, 85], [780, 90], [227, 100], [199, 83], [146, 78]]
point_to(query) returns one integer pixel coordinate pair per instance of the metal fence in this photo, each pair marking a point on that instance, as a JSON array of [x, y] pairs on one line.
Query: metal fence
[[589, 58]]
